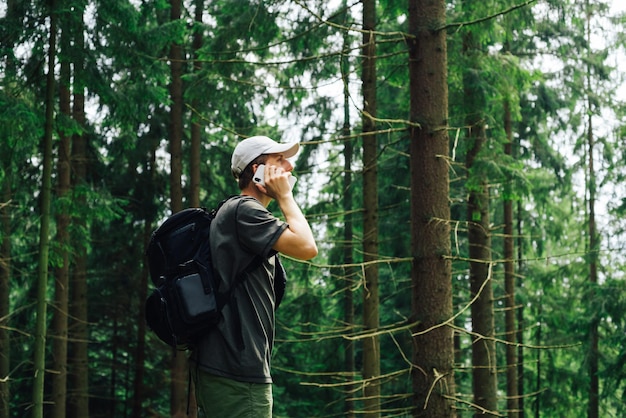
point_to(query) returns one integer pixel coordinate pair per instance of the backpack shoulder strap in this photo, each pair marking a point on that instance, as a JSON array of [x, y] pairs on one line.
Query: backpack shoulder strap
[[256, 262]]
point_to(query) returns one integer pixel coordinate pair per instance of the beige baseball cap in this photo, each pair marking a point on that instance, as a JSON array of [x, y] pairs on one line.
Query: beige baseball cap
[[247, 150]]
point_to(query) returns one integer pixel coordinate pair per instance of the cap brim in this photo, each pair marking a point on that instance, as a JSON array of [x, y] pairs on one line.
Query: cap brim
[[288, 150]]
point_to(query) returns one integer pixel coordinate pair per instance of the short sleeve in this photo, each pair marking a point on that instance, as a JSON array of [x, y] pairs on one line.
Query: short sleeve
[[257, 229]]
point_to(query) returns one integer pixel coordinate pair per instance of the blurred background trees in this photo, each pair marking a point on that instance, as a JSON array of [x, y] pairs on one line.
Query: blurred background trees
[[462, 166]]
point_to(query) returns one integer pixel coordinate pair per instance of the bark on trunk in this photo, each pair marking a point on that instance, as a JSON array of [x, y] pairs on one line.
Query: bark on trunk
[[61, 273], [5, 279], [348, 259], [79, 330], [509, 283], [39, 359], [371, 345], [431, 301], [593, 409], [178, 383], [484, 371]]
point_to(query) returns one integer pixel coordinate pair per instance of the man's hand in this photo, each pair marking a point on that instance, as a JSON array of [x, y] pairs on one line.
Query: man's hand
[[276, 182]]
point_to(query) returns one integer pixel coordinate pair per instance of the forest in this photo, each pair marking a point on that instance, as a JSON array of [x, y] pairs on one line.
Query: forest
[[462, 166]]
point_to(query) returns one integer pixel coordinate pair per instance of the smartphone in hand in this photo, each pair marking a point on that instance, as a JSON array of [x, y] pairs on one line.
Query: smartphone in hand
[[259, 176]]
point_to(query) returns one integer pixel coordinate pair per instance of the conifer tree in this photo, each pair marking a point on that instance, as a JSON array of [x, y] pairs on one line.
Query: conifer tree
[[479, 234], [61, 272], [179, 363], [433, 355], [78, 362], [39, 351], [371, 319]]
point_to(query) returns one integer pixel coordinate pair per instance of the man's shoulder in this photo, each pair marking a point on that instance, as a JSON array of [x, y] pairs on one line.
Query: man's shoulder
[[233, 202], [247, 204], [242, 207]]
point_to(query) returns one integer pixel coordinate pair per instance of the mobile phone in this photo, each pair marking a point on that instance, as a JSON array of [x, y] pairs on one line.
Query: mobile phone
[[259, 176]]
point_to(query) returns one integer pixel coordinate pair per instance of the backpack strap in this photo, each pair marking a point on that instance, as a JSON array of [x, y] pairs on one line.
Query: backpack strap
[[229, 294], [280, 282]]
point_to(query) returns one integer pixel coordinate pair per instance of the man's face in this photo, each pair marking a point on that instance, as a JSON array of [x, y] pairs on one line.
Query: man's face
[[279, 160]]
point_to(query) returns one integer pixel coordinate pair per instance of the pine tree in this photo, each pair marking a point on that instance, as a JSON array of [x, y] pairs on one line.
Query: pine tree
[[371, 319], [433, 356], [39, 361]]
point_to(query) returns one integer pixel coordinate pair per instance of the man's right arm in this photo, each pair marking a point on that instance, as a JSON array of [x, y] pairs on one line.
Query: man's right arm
[[297, 240]]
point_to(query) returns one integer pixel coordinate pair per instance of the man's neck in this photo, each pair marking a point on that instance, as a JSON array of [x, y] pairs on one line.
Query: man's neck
[[252, 191]]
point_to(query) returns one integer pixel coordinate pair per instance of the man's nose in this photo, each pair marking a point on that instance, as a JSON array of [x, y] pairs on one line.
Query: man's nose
[[287, 166]]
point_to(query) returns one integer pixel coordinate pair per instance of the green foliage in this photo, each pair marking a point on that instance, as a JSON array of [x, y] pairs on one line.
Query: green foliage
[[274, 68]]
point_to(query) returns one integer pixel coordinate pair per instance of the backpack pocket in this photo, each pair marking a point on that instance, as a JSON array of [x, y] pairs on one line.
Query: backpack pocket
[[184, 307], [196, 299]]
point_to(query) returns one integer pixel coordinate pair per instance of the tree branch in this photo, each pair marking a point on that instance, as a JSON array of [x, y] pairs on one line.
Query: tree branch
[[485, 18]]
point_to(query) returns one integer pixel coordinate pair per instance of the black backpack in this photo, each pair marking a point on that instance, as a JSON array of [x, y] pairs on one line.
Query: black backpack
[[183, 304], [186, 303]]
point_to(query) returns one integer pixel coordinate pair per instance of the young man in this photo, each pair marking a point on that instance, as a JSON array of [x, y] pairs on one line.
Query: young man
[[231, 365]]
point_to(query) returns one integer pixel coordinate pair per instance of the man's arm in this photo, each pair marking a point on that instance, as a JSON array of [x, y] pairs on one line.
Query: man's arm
[[297, 240]]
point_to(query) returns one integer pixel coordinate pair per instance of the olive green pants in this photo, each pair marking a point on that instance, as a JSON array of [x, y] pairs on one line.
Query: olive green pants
[[219, 397]]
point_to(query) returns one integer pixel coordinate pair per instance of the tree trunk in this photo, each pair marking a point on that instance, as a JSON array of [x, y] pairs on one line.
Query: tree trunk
[[509, 281], [521, 325], [538, 361], [176, 115], [6, 185], [484, 371], [61, 273], [5, 279], [371, 345], [39, 362], [78, 370], [594, 384], [115, 360], [196, 128], [179, 362], [520, 311], [348, 259], [140, 351], [593, 409], [431, 299]]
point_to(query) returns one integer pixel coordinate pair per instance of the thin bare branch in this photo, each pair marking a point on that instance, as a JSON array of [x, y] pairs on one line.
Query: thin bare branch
[[459, 25]]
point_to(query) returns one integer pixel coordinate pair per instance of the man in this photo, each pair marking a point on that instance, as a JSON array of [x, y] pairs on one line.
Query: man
[[231, 365]]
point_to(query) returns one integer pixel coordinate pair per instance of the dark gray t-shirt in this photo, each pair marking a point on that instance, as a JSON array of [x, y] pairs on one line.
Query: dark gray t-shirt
[[242, 229]]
